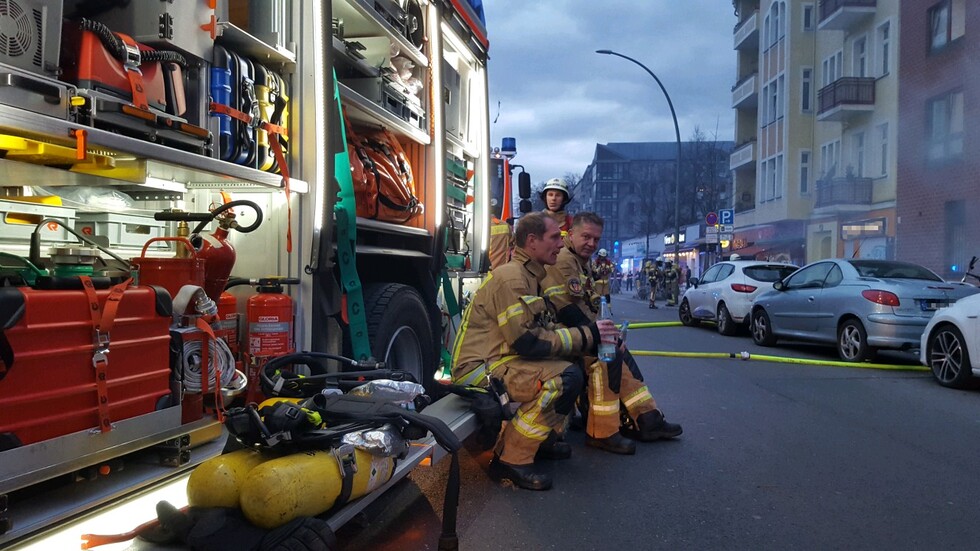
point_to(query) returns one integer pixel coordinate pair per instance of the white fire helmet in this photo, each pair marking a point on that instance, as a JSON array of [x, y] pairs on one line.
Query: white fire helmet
[[560, 185], [603, 253]]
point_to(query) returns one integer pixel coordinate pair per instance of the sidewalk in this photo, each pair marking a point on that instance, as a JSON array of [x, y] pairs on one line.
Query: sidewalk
[[624, 306]]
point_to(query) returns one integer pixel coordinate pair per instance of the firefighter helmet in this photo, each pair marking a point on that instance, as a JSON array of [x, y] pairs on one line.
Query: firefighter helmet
[[603, 253], [560, 185]]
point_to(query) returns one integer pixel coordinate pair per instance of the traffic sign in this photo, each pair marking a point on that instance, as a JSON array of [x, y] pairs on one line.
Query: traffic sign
[[711, 230], [726, 216], [711, 219]]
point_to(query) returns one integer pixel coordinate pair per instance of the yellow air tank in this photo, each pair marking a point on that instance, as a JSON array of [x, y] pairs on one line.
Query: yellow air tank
[[306, 484], [217, 481]]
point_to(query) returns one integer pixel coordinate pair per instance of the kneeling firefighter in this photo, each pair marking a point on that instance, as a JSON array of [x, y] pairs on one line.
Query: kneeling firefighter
[[508, 339]]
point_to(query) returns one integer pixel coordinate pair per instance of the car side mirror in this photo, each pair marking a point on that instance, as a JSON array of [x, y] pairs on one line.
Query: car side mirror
[[778, 286], [694, 281], [524, 185]]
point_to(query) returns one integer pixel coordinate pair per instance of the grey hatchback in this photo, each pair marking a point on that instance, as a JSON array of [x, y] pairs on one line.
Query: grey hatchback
[[862, 305]]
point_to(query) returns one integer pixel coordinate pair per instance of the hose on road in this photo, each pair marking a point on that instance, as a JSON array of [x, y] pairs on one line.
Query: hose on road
[[777, 359]]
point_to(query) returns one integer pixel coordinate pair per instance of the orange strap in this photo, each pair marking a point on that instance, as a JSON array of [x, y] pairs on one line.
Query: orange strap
[[273, 130], [205, 363], [103, 318]]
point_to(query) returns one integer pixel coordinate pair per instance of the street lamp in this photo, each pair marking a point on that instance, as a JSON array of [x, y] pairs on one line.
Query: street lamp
[[677, 176]]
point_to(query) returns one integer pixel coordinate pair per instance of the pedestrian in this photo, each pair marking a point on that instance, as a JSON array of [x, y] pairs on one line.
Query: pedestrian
[[629, 280], [567, 285], [687, 277], [507, 335]]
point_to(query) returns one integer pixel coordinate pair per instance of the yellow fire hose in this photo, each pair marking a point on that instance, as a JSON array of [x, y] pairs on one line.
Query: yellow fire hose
[[759, 357]]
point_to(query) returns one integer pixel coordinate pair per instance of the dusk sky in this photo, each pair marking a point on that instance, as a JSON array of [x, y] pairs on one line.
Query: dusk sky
[[559, 98]]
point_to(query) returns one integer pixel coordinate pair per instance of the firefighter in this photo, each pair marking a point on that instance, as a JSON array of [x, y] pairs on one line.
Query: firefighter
[[672, 277], [555, 196], [602, 269], [568, 287], [655, 276], [508, 334]]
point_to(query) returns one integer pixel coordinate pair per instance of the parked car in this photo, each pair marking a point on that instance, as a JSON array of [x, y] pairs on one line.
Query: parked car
[[950, 344], [725, 292], [861, 305]]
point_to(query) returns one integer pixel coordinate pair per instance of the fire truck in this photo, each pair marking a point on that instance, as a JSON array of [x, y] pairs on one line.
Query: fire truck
[[319, 171]]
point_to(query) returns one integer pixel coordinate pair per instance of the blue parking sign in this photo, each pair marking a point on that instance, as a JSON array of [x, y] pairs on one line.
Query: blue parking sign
[[726, 216]]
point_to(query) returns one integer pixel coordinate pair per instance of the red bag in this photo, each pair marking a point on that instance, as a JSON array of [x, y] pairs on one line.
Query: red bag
[[384, 185]]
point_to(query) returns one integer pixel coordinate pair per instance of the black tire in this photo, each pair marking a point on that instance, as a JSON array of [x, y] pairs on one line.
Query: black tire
[[399, 329], [949, 358], [762, 333], [852, 342], [726, 325], [684, 313]]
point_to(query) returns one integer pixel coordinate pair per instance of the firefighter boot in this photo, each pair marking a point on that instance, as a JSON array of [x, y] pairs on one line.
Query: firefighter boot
[[522, 476], [651, 426], [554, 448], [617, 443]]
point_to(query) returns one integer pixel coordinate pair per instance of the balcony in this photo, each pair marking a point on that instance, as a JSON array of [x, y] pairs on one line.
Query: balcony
[[846, 97], [842, 15], [747, 32], [745, 93], [849, 190], [743, 158]]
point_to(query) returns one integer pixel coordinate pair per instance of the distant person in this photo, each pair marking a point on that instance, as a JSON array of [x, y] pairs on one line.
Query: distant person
[[687, 277], [555, 196], [603, 268], [629, 280], [672, 282]]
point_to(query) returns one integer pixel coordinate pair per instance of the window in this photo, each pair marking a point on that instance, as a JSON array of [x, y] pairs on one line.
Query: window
[[945, 127], [829, 158], [807, 17], [771, 180], [832, 67], [711, 274], [946, 23], [884, 48], [806, 90], [805, 171], [772, 101], [810, 277], [883, 148], [861, 57], [858, 167]]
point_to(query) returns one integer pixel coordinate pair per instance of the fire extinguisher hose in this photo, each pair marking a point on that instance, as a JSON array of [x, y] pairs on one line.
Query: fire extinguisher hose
[[229, 205]]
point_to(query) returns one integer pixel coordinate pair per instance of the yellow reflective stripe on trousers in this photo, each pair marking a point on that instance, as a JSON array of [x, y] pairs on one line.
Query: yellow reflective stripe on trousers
[[511, 311], [524, 424], [638, 396], [566, 340], [604, 408], [596, 404], [549, 392]]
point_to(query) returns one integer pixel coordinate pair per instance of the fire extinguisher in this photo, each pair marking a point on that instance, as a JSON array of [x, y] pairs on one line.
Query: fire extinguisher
[[269, 315], [215, 249]]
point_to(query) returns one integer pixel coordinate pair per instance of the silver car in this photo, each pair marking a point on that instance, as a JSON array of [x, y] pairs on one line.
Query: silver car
[[861, 305]]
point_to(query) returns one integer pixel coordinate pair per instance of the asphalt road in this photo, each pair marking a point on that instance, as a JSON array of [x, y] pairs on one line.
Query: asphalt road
[[773, 456]]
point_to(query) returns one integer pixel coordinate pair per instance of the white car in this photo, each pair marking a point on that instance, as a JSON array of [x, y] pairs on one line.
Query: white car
[[950, 344], [725, 292]]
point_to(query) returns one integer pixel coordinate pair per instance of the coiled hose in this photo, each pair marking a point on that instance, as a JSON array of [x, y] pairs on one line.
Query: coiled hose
[[117, 47]]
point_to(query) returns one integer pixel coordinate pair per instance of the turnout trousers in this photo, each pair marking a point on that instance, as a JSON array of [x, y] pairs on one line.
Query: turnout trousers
[[546, 390], [608, 385]]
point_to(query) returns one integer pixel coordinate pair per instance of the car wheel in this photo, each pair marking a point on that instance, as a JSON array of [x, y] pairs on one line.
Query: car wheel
[[762, 329], [726, 325], [684, 313], [852, 342], [949, 358]]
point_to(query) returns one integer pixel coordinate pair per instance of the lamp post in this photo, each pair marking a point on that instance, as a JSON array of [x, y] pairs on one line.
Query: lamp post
[[677, 176]]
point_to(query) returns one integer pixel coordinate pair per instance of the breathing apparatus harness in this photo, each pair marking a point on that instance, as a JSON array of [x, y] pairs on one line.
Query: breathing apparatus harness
[[321, 420]]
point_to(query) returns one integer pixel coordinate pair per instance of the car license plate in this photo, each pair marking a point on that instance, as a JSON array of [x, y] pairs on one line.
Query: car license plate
[[933, 305]]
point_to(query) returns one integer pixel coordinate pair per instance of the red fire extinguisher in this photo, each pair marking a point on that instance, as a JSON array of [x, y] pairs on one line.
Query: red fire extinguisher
[[270, 329]]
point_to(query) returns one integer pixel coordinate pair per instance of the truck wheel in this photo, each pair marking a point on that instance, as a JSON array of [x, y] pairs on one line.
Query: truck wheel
[[399, 331]]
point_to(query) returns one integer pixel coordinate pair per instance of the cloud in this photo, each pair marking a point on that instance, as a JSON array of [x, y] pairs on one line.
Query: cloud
[[559, 98]]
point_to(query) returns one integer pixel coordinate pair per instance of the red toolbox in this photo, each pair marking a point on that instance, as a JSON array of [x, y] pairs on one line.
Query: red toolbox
[[48, 384]]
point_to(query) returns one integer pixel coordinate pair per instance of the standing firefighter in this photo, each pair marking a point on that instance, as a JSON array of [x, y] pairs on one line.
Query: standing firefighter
[[655, 277], [602, 270], [568, 286], [672, 281], [508, 334], [556, 197]]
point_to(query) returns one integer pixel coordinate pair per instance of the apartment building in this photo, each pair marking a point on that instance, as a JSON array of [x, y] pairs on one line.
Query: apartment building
[[938, 165], [816, 103]]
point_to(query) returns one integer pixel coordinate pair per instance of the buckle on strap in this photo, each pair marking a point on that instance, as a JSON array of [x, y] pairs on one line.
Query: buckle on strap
[[133, 58], [347, 463]]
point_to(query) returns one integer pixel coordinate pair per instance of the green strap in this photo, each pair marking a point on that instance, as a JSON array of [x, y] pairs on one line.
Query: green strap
[[346, 215], [452, 307]]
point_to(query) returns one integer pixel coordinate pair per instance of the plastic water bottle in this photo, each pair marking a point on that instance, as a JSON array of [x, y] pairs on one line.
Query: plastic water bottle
[[607, 350]]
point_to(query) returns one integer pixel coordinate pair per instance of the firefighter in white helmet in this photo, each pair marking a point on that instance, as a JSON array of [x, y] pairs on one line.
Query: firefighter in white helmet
[[602, 269], [555, 196]]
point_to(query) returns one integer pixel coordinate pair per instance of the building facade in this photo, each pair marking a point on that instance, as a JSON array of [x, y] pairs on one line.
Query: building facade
[[816, 107], [938, 164]]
